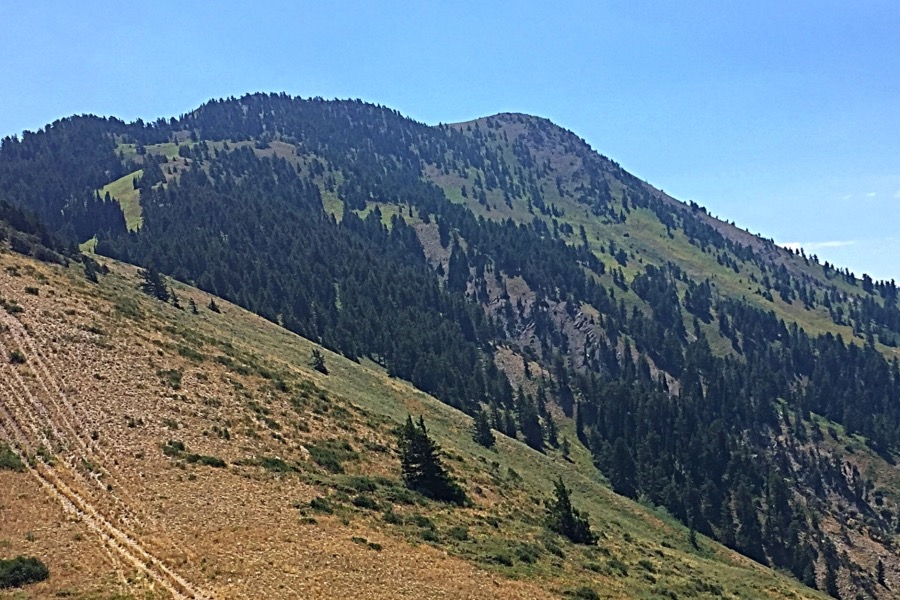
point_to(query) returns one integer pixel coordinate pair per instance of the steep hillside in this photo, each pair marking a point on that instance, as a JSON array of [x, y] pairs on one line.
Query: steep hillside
[[197, 455], [513, 273]]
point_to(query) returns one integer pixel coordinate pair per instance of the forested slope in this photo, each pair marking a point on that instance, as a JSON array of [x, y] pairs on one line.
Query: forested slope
[[505, 267]]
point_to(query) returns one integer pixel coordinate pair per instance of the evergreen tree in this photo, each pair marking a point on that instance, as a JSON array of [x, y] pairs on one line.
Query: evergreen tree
[[565, 519], [153, 284], [482, 430], [530, 423], [749, 533], [422, 467], [317, 361], [622, 470]]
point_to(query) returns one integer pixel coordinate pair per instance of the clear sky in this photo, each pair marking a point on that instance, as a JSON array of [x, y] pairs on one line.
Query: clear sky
[[781, 116]]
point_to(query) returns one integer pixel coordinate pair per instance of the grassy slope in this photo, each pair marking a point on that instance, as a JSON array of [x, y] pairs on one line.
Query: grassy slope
[[237, 532], [644, 237], [122, 189]]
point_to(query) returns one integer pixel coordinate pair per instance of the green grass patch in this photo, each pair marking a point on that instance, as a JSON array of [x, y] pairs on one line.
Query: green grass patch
[[122, 190]]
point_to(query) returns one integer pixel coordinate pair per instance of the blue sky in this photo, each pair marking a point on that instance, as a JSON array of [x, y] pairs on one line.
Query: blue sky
[[781, 116]]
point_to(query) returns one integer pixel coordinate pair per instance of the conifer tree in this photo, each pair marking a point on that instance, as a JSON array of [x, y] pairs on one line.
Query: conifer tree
[[422, 467], [565, 519], [482, 430], [622, 470], [317, 361], [153, 284]]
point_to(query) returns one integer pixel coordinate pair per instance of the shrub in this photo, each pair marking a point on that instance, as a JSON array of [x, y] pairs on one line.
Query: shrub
[[583, 593], [429, 535], [16, 358], [528, 553], [22, 570], [209, 461], [9, 460], [391, 518], [364, 501], [321, 505], [275, 465], [173, 448], [331, 454]]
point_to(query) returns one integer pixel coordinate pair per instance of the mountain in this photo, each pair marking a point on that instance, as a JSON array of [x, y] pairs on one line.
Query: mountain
[[505, 268]]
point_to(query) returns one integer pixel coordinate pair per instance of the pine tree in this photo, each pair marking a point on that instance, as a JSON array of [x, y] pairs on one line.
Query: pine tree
[[153, 284], [566, 449], [622, 470], [565, 519], [482, 430], [879, 572], [530, 423], [422, 467], [213, 306], [749, 533], [317, 361]]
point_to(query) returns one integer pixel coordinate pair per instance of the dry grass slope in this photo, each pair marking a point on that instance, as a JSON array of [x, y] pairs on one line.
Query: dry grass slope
[[180, 455]]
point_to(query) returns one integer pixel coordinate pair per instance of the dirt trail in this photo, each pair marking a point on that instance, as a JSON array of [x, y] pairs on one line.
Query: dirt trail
[[31, 424]]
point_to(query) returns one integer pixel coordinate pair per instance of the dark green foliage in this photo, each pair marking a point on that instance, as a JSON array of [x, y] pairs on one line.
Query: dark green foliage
[[22, 570], [321, 505], [16, 358], [154, 284], [317, 361], [565, 519], [530, 422], [748, 536], [177, 449], [481, 430], [364, 501], [422, 467], [331, 454], [583, 593], [9, 460], [92, 268], [622, 470]]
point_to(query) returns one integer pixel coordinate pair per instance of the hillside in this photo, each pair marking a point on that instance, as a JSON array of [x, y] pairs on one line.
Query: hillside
[[111, 377], [508, 270]]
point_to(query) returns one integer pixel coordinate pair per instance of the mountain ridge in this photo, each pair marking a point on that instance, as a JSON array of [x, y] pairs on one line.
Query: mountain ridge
[[504, 266]]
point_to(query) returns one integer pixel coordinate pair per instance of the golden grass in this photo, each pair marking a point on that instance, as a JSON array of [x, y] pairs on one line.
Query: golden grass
[[243, 531]]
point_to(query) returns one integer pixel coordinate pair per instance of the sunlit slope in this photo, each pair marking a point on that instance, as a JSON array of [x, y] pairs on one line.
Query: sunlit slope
[[126, 409]]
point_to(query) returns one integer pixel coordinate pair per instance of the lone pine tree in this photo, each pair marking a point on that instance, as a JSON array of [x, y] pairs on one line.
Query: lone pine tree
[[423, 470], [153, 284], [482, 433], [565, 519], [317, 361]]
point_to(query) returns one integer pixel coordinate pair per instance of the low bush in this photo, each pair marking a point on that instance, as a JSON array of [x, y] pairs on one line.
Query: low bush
[[22, 570], [9, 460]]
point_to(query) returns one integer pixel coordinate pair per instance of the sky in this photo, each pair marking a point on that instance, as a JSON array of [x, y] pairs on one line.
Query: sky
[[783, 117]]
